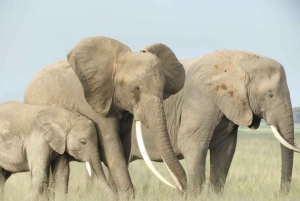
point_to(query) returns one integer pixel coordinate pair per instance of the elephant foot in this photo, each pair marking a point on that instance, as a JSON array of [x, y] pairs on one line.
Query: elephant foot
[[126, 195], [193, 193], [284, 188], [217, 188]]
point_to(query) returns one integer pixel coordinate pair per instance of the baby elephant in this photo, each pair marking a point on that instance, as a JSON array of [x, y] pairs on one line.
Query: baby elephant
[[33, 138]]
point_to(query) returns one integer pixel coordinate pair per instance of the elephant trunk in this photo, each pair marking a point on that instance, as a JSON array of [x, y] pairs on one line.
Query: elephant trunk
[[285, 128], [287, 155], [156, 122], [98, 169]]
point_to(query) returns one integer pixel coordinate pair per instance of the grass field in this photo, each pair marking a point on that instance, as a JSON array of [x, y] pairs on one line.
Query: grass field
[[254, 175]]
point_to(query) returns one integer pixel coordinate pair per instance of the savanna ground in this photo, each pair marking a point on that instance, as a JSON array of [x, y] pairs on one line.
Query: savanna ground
[[254, 175]]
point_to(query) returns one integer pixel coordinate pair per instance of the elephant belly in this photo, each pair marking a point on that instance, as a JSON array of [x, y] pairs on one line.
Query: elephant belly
[[13, 163]]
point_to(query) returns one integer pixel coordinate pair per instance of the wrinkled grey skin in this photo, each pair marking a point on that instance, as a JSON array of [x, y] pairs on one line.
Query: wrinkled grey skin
[[104, 81], [33, 138], [223, 90]]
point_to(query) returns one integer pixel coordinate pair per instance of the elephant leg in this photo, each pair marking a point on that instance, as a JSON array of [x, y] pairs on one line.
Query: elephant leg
[[195, 163], [125, 135], [220, 160], [2, 183], [61, 171], [113, 154], [195, 133], [51, 190], [111, 181], [38, 156], [38, 180], [3, 177], [195, 156]]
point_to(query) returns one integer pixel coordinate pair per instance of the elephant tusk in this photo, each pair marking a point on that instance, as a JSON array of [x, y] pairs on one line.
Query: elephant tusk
[[88, 167], [283, 141], [145, 156], [173, 177]]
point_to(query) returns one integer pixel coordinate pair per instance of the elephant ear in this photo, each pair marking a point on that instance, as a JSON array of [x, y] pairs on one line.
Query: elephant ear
[[54, 126], [173, 69], [93, 59], [226, 83]]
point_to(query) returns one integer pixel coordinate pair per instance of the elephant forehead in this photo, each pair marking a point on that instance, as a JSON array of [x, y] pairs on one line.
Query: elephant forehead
[[4, 126], [139, 60], [85, 122], [84, 128], [145, 56], [149, 73], [82, 120]]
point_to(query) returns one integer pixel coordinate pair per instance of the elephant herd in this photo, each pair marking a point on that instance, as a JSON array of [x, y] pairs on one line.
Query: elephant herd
[[105, 103]]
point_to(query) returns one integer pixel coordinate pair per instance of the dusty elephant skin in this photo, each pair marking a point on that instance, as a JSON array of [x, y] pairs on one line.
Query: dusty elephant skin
[[33, 138], [104, 81], [223, 90]]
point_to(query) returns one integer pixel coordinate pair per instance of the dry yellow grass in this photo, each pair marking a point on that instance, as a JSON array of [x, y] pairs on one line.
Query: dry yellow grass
[[254, 175]]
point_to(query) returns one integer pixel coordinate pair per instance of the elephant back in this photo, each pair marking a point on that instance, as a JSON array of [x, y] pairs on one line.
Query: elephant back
[[55, 84]]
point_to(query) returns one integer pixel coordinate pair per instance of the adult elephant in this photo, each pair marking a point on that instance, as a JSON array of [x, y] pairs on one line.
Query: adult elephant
[[223, 90], [103, 80]]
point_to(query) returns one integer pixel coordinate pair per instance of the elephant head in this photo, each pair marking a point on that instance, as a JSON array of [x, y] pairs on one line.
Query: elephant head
[[247, 88], [117, 80], [67, 131]]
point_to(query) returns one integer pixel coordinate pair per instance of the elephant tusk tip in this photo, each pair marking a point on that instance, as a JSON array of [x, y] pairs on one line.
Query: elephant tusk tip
[[173, 176], [297, 148]]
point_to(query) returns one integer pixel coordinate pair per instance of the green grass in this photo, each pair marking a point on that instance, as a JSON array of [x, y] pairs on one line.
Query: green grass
[[254, 175]]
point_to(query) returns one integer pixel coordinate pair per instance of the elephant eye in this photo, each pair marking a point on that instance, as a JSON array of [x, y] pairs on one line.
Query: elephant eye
[[83, 141], [270, 95]]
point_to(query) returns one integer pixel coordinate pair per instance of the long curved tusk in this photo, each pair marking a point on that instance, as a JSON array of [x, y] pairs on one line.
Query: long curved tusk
[[88, 167], [283, 141], [173, 176], [145, 156]]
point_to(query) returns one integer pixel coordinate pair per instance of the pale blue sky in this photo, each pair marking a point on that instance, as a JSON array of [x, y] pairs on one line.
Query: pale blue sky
[[34, 34]]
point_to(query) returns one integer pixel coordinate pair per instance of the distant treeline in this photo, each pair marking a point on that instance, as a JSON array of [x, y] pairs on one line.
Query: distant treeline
[[296, 113]]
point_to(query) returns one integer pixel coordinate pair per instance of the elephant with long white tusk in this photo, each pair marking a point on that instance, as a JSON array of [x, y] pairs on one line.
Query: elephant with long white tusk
[[104, 80], [223, 90]]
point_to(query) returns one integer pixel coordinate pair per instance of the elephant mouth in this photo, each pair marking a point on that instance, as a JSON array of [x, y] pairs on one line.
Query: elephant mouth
[[76, 154], [87, 164]]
